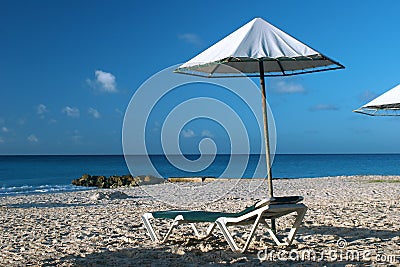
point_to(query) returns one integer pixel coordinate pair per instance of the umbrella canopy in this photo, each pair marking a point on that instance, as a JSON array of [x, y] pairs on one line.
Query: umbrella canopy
[[258, 49], [258, 40], [387, 104]]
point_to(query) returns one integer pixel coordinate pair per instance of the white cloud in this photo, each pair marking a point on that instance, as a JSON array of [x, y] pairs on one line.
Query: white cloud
[[190, 38], [207, 133], [320, 107], [5, 129], [41, 109], [117, 110], [284, 87], [188, 133], [94, 112], [32, 138], [104, 82], [1, 140], [71, 112], [21, 121]]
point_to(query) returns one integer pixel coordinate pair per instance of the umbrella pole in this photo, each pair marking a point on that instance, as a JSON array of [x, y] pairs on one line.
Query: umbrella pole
[[266, 135]]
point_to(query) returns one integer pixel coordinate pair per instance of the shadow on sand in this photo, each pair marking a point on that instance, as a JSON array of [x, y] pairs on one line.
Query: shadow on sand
[[48, 205], [188, 252]]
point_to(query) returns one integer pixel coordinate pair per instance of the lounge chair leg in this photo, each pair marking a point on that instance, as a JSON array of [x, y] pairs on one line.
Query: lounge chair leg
[[174, 224], [207, 233], [232, 244], [273, 225], [253, 229], [289, 239], [275, 238], [149, 228], [196, 233], [300, 215], [146, 221], [222, 225]]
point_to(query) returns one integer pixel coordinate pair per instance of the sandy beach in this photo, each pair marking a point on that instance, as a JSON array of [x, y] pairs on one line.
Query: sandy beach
[[351, 221]]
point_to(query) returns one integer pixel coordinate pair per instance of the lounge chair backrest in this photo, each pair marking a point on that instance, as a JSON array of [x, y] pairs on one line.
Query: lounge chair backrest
[[264, 202], [259, 204]]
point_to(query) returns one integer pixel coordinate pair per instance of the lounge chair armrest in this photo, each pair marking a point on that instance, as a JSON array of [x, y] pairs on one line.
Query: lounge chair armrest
[[247, 216]]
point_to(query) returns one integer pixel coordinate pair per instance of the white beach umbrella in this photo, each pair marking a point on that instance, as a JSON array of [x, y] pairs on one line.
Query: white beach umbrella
[[387, 104], [258, 49]]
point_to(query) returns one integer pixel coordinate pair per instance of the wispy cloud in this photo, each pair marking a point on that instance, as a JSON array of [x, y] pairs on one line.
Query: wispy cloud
[[206, 133], [188, 133], [71, 112], [367, 96], [321, 107], [284, 87], [32, 138], [5, 129], [157, 126], [1, 140], [190, 38], [104, 82], [76, 137], [94, 112], [41, 109]]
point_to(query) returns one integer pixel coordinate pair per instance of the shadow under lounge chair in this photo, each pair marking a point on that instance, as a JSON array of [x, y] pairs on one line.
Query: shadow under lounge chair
[[261, 212]]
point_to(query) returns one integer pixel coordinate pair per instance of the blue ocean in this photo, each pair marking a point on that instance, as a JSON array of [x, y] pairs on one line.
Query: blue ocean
[[44, 174]]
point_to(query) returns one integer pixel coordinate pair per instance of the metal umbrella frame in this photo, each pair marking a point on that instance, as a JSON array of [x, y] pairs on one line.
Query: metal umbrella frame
[[387, 104]]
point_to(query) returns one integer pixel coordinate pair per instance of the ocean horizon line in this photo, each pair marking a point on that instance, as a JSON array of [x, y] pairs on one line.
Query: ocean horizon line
[[196, 154]]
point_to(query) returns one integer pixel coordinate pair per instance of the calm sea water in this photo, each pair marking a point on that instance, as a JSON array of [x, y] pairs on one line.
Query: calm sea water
[[41, 174]]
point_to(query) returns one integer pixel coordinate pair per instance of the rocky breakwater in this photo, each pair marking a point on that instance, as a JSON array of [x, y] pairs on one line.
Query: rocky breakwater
[[116, 181]]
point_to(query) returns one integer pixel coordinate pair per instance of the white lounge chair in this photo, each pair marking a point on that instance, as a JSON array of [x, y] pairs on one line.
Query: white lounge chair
[[260, 212]]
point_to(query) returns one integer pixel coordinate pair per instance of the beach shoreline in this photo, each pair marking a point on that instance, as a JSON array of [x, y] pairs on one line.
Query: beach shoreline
[[90, 228]]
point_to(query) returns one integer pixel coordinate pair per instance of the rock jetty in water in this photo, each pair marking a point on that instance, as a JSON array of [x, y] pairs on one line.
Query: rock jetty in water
[[115, 181]]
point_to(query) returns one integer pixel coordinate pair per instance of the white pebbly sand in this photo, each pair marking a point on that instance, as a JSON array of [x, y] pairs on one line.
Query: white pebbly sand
[[103, 227]]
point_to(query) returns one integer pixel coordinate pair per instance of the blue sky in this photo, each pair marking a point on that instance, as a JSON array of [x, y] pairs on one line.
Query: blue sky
[[68, 70]]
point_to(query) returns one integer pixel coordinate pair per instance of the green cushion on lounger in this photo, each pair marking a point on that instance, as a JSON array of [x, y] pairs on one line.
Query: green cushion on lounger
[[199, 216]]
